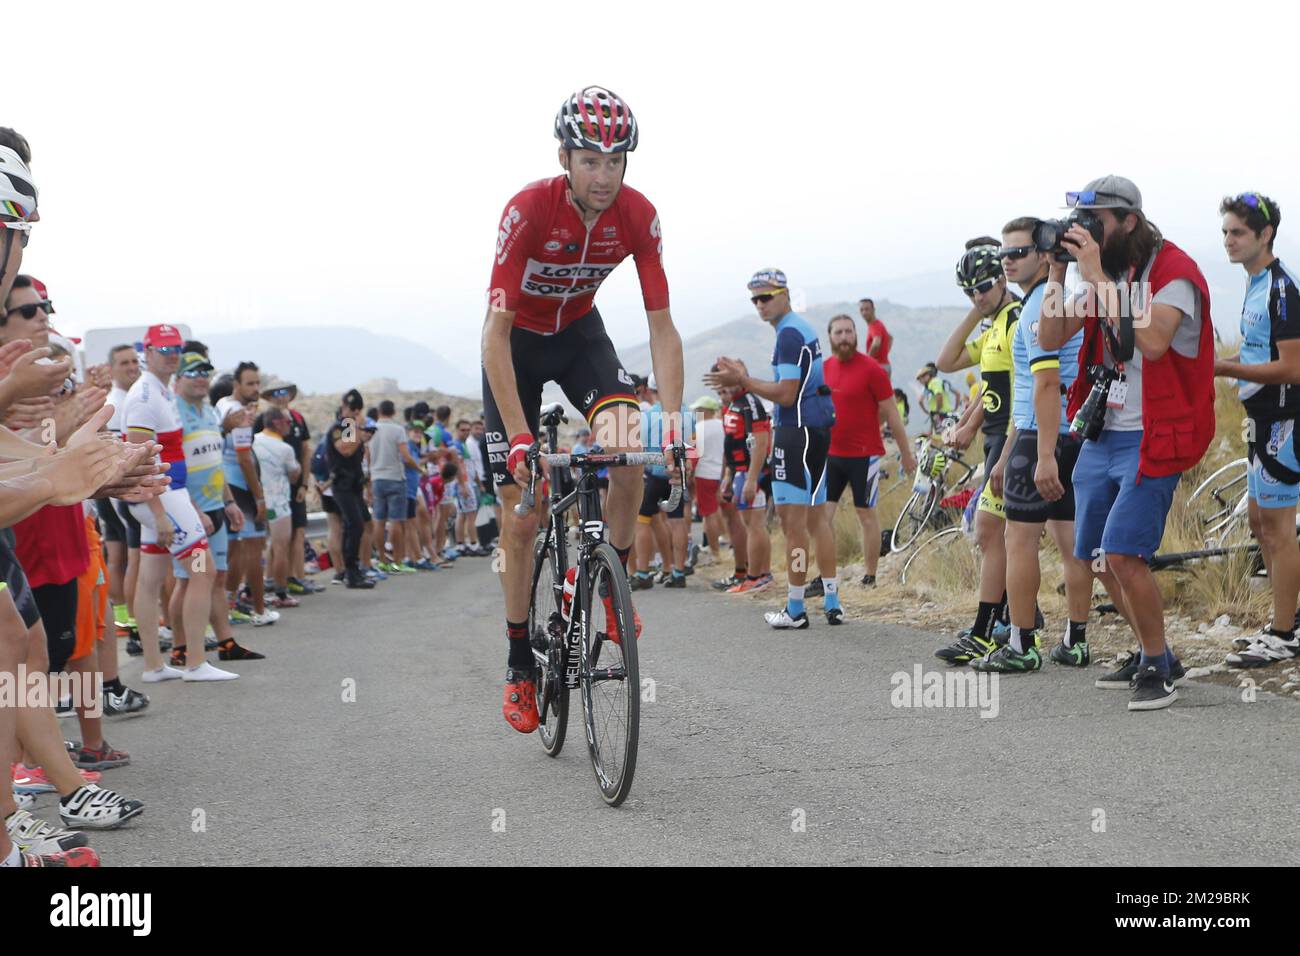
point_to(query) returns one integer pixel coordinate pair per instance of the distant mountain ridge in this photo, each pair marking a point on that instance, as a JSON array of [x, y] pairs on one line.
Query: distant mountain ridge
[[328, 359]]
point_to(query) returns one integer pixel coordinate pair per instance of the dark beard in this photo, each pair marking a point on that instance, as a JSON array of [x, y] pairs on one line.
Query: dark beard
[[1114, 256], [845, 351]]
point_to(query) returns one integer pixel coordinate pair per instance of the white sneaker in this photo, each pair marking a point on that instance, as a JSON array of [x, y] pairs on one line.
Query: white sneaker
[[266, 617], [164, 633], [94, 808], [781, 620], [166, 672], [37, 836], [1266, 650], [206, 671]]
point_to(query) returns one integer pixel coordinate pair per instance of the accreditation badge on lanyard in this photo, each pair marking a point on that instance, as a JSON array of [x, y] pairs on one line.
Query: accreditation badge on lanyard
[[1118, 392]]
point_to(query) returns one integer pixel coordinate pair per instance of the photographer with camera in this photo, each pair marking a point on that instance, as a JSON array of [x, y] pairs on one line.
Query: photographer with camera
[[1143, 401], [980, 276], [1268, 374], [1040, 445]]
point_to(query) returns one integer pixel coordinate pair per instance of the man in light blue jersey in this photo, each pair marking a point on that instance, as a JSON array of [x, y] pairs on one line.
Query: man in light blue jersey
[[206, 484], [1268, 375], [801, 441], [1035, 468]]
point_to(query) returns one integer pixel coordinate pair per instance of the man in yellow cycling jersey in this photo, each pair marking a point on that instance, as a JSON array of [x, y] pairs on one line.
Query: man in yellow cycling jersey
[[979, 275], [938, 398]]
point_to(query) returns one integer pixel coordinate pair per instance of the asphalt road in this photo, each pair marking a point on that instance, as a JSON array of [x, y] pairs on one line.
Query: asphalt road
[[759, 748]]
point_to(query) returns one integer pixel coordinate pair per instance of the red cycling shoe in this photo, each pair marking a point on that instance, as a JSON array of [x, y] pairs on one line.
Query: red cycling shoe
[[519, 706], [612, 618]]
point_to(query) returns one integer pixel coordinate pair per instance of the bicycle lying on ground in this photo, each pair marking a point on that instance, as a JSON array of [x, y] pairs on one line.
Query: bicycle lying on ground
[[583, 631]]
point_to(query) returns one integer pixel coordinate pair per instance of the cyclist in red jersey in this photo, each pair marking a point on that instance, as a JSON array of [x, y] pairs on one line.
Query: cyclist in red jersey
[[879, 341], [558, 240]]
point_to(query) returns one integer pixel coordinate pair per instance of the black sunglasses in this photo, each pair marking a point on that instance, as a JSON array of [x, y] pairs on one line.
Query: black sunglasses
[[765, 297], [29, 311], [1015, 252]]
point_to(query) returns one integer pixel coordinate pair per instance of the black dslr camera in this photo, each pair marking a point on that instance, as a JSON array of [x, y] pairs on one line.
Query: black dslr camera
[[1048, 233], [1091, 416]]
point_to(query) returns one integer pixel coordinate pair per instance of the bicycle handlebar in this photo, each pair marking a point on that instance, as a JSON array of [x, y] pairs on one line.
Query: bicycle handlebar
[[592, 462]]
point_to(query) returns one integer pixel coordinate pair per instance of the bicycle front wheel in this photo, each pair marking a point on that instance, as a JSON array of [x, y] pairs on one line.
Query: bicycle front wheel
[[913, 519], [610, 680]]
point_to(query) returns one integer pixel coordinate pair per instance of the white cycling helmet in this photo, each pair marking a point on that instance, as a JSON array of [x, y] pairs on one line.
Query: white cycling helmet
[[17, 190]]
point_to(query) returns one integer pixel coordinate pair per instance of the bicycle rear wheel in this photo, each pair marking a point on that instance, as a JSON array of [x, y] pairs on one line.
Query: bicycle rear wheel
[[610, 679], [1217, 506], [546, 633]]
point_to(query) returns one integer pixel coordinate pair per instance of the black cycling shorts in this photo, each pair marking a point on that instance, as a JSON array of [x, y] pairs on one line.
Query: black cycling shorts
[[328, 505], [297, 511], [58, 606], [580, 359], [860, 475], [110, 522], [128, 520], [248, 505], [15, 580], [657, 489], [1023, 502], [799, 465]]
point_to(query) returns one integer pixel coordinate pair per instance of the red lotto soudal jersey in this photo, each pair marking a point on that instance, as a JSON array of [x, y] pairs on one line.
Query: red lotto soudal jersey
[[549, 264]]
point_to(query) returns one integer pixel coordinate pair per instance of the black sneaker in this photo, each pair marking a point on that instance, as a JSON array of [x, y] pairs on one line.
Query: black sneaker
[[339, 579], [1121, 676], [814, 588], [359, 581], [868, 580], [729, 582], [1152, 690], [834, 615], [133, 646], [676, 581], [1127, 667], [640, 582]]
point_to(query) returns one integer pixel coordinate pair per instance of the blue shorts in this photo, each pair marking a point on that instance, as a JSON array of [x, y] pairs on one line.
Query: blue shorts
[[390, 499], [1114, 513], [799, 465], [738, 494], [218, 545], [1265, 490]]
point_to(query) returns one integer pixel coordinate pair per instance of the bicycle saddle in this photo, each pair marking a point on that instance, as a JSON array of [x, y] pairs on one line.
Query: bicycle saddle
[[553, 414]]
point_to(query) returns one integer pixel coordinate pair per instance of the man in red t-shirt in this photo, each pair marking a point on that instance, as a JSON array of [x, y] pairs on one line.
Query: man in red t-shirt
[[862, 394], [879, 340]]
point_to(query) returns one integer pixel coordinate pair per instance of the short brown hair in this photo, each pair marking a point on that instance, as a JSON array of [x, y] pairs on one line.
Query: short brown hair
[[1266, 212], [1021, 224]]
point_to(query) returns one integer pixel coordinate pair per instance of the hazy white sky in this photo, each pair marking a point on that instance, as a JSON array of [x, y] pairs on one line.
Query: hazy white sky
[[325, 163]]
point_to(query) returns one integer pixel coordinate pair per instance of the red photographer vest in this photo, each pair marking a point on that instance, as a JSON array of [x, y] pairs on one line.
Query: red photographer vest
[[1177, 392]]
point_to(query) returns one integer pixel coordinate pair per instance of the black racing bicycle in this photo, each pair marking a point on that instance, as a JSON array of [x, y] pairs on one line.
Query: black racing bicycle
[[583, 631]]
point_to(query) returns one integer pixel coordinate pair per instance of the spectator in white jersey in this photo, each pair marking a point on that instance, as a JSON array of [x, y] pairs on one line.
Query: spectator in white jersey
[[280, 470]]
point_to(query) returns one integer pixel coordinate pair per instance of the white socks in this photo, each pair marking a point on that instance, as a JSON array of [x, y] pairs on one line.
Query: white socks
[[166, 672], [206, 671], [831, 585]]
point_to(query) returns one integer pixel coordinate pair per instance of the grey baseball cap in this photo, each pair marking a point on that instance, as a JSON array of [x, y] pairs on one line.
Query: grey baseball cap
[[1107, 192]]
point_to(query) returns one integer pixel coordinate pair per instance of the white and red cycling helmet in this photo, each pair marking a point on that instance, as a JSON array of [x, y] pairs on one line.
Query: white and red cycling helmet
[[596, 118]]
